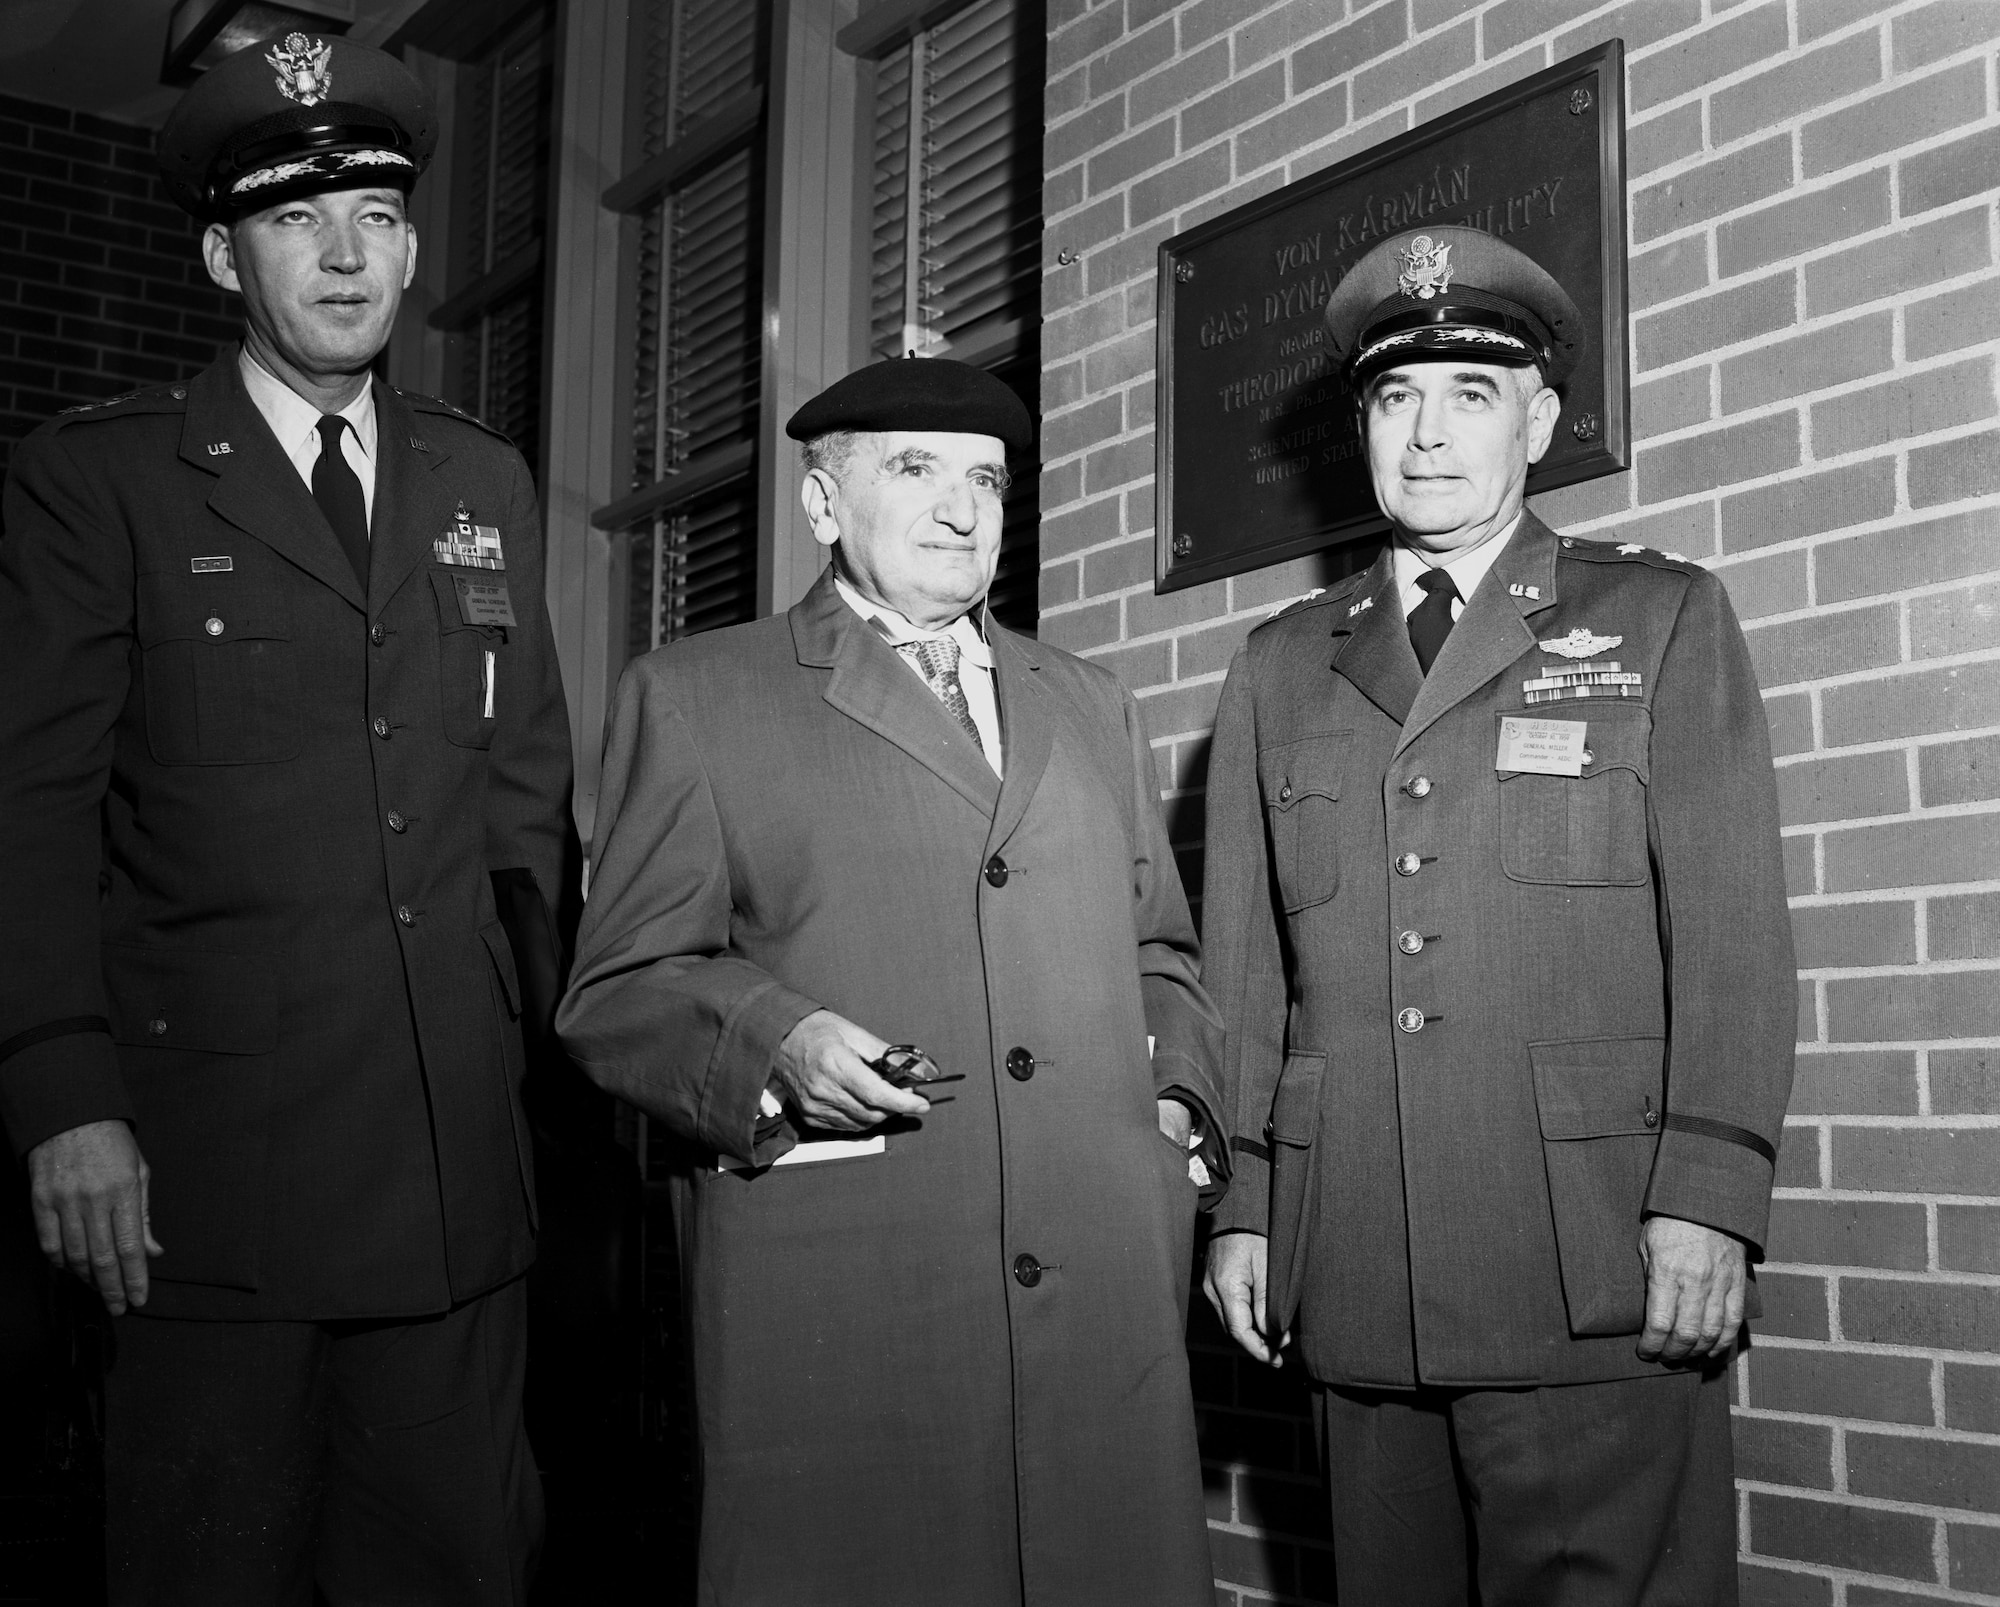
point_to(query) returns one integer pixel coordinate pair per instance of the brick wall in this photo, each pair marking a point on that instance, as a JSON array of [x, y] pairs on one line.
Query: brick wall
[[1815, 311], [100, 285]]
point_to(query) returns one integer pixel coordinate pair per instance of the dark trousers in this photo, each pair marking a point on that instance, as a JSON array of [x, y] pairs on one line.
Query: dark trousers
[[379, 1462], [1584, 1495]]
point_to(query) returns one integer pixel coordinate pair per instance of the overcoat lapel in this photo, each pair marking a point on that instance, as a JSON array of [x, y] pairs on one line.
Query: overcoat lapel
[[1028, 720], [256, 488], [869, 684], [412, 506], [1376, 655], [1493, 631]]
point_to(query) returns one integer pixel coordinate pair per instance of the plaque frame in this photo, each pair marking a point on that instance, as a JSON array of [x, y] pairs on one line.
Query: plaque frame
[[1599, 73]]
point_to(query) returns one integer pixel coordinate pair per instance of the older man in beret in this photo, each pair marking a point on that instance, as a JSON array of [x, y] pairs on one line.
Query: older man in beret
[[1496, 920], [283, 732], [883, 922]]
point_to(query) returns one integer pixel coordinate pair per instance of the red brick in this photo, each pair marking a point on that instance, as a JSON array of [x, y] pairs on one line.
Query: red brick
[[1075, 138], [1855, 1083], [1936, 178], [1807, 1032], [1739, 179], [1080, 428], [1237, 103], [1975, 1557], [1795, 1304], [1514, 22], [1119, 164], [1908, 406], [1187, 180], [1775, 584], [1905, 115], [1674, 403], [1745, 451], [1881, 270], [1062, 484], [1675, 269], [1775, 1450], [1139, 508], [1723, 318], [1057, 585], [1711, 54], [1806, 80], [1110, 569], [1758, 1586], [1146, 614], [1816, 361], [1076, 528], [1804, 223], [1934, 31], [1924, 1471], [1301, 125], [1414, 70], [1963, 621], [1119, 464], [1837, 936], [1840, 1536], [1689, 528], [1809, 505], [1826, 644], [1969, 1238], [1169, 91], [1846, 787], [1926, 1160], [1952, 471], [1638, 22], [1908, 555], [1252, 1562], [1972, 1398], [1966, 927], [1335, 54], [1080, 327], [1146, 665], [1965, 1082], [1834, 1383], [1847, 1233], [1952, 1004], [1077, 629], [1463, 90], [1209, 651], [1969, 316], [1584, 502], [1663, 139], [1138, 253], [1959, 698], [1211, 17], [1789, 716], [1085, 37], [1139, 52]]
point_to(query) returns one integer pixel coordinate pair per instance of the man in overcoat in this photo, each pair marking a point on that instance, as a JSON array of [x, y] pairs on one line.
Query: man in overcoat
[[1496, 921], [281, 705], [937, 1331]]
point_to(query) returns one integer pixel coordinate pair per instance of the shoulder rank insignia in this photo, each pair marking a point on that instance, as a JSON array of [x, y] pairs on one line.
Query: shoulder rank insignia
[[1293, 602], [1580, 643], [1630, 547], [475, 546]]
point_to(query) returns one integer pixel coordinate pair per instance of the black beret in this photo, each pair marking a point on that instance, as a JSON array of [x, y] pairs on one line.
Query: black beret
[[917, 393], [297, 116], [1451, 292]]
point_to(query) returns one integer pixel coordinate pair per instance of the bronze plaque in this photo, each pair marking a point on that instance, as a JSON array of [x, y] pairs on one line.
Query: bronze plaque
[[1259, 459]]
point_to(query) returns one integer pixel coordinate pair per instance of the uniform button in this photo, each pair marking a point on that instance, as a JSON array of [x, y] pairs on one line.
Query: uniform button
[[212, 625], [1020, 1064], [397, 822], [1410, 942], [1652, 1118], [996, 871], [376, 634], [1285, 793], [1418, 786], [157, 1028], [178, 393], [1410, 1019], [1027, 1271], [380, 727], [1589, 757], [403, 914], [1408, 864]]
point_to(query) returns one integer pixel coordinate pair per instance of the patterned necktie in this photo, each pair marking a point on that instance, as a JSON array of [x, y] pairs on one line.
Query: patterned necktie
[[938, 660], [1430, 620], [337, 490]]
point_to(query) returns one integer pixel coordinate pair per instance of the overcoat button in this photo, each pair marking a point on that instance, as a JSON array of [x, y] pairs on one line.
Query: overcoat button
[[1652, 1118], [996, 871], [403, 914], [1418, 786], [397, 822], [380, 727], [1410, 1019], [1589, 757], [1027, 1271], [1410, 942], [376, 634], [1285, 793], [1408, 864], [157, 1028], [213, 626], [1020, 1064]]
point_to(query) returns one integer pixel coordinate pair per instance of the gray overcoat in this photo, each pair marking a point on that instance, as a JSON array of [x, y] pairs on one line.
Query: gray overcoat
[[894, 1406]]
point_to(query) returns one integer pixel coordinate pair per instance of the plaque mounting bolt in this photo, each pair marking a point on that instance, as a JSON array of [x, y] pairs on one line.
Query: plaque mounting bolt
[[1585, 427], [1579, 101], [1066, 256], [1183, 544], [1184, 271]]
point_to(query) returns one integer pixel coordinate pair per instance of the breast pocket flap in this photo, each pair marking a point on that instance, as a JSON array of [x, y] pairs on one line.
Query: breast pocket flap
[[1290, 772], [217, 608]]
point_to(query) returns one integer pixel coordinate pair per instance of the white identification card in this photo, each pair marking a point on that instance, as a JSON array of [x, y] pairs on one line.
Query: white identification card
[[824, 1149], [486, 689], [1541, 747]]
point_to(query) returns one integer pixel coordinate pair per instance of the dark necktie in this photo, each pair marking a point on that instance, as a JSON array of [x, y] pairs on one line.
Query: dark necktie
[[1430, 620], [337, 490], [938, 659]]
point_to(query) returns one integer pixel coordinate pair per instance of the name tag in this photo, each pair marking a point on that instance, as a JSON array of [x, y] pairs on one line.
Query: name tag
[[482, 602], [824, 1149], [1541, 747]]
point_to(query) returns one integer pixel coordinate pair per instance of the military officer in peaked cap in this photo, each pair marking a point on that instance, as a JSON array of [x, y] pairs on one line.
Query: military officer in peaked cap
[[283, 712], [936, 1324], [1496, 922]]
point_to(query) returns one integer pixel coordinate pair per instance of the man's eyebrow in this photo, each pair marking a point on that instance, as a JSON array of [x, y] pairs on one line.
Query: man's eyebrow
[[1484, 381], [997, 470], [908, 456]]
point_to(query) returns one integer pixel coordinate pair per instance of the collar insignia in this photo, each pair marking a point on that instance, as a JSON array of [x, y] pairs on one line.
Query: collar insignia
[[1581, 643], [1426, 268], [1366, 602], [1532, 593], [304, 69]]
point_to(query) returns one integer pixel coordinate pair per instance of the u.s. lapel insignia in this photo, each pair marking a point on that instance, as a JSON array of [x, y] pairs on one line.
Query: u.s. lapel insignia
[[304, 68], [473, 545], [1581, 643], [1360, 607], [1532, 593]]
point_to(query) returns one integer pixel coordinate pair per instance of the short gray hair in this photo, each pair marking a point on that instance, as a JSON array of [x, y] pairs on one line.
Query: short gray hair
[[830, 453]]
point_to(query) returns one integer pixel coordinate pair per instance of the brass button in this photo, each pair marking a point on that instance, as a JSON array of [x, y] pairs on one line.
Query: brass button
[[1410, 1019], [213, 626], [1020, 1064], [1589, 757], [1027, 1271], [1652, 1118], [376, 634], [1418, 786], [996, 872], [397, 822], [380, 727], [404, 915], [1285, 793], [1408, 864], [1410, 942], [157, 1028]]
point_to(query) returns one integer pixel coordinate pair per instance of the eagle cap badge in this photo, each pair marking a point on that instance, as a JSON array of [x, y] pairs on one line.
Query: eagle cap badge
[[1581, 643], [1425, 267], [304, 68]]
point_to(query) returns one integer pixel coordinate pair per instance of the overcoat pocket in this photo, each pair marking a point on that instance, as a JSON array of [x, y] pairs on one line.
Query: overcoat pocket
[[1600, 1103], [1587, 830], [1293, 1125], [1300, 782], [221, 683], [471, 671]]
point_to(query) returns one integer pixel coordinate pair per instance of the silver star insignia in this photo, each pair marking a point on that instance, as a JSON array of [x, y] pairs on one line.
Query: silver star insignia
[[1631, 547]]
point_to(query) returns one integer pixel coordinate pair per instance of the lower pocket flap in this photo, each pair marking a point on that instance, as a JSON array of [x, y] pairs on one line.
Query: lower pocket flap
[[204, 999], [494, 935], [1295, 1109], [1598, 1087]]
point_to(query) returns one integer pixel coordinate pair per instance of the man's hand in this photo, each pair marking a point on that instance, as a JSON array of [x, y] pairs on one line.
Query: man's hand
[[1176, 1122], [822, 1069], [88, 1189], [1694, 1290], [1237, 1263]]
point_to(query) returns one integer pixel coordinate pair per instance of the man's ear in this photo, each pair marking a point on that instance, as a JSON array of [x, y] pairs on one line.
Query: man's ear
[[816, 495], [1543, 411], [410, 265], [218, 255]]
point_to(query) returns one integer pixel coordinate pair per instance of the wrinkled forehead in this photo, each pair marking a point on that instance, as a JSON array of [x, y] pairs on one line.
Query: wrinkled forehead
[[950, 451]]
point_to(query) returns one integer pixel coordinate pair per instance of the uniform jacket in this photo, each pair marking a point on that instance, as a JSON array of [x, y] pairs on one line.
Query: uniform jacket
[[1596, 971], [894, 1406], [251, 815]]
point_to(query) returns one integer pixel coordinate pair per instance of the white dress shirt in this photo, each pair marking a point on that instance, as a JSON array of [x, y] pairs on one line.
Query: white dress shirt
[[295, 422], [1467, 569], [975, 661]]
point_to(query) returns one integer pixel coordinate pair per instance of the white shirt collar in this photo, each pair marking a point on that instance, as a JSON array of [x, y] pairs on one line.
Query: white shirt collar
[[292, 418], [1467, 569], [896, 628]]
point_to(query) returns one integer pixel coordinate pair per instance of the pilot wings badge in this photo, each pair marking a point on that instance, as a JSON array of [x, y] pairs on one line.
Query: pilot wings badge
[[1426, 267], [304, 69], [1581, 643]]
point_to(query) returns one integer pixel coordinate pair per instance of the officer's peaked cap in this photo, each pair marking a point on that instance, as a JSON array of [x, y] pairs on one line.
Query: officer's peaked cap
[[917, 393], [295, 116]]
